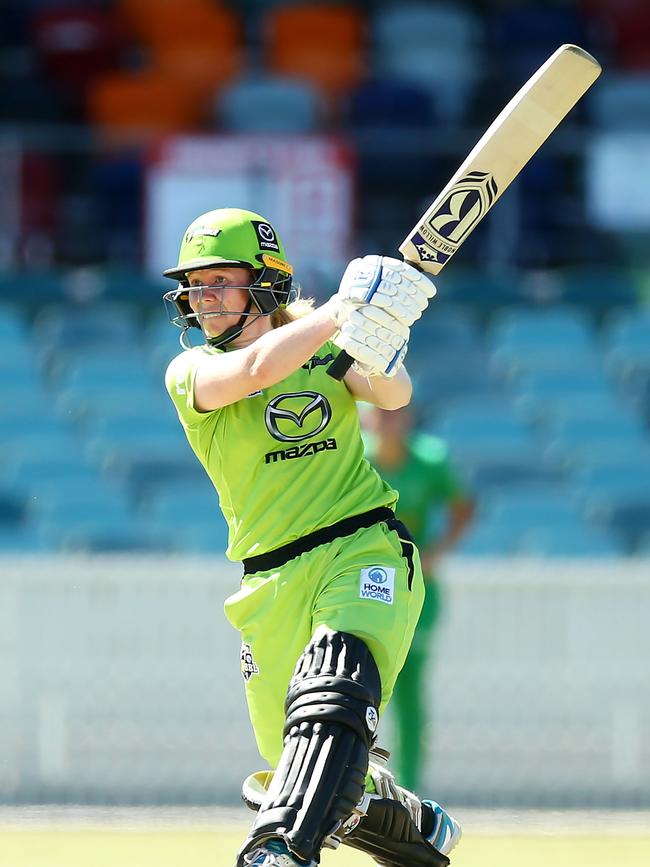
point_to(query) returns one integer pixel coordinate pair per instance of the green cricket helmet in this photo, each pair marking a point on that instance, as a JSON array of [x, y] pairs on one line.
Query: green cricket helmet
[[231, 237]]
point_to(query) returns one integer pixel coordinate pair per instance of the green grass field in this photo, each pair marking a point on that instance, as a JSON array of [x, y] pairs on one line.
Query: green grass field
[[25, 847]]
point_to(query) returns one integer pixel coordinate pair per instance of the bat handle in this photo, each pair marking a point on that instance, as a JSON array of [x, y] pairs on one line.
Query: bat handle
[[340, 366]]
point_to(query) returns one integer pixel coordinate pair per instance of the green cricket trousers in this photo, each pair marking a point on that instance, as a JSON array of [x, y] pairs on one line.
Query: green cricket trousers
[[368, 583]]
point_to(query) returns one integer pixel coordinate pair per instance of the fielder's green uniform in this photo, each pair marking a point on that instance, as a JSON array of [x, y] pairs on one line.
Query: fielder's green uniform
[[427, 483], [286, 462]]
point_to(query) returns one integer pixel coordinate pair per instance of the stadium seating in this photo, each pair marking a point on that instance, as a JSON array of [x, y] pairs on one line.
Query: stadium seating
[[269, 105], [538, 379], [443, 56], [322, 44]]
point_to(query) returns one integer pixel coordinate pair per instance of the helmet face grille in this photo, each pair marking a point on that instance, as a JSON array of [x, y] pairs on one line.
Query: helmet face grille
[[269, 291]]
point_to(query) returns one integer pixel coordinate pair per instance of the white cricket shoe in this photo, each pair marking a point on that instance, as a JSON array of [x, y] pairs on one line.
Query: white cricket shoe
[[273, 855], [446, 830]]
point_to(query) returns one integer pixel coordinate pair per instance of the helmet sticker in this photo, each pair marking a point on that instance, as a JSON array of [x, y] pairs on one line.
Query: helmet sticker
[[274, 262], [266, 236], [195, 231]]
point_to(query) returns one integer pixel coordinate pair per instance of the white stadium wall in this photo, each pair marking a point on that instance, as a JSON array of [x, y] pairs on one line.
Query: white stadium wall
[[120, 683]]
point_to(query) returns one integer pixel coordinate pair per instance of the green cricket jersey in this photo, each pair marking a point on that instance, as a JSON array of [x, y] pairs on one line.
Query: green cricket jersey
[[426, 482], [286, 460]]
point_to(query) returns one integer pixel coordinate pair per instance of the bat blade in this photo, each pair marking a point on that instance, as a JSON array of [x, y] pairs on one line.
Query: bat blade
[[494, 162], [498, 157]]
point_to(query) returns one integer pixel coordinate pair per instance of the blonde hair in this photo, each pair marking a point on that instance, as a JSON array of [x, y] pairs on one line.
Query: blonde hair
[[296, 310]]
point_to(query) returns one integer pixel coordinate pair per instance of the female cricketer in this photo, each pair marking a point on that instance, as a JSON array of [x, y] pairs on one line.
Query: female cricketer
[[332, 586]]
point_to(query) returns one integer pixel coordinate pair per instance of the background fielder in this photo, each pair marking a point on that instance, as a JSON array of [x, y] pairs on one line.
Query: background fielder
[[435, 506]]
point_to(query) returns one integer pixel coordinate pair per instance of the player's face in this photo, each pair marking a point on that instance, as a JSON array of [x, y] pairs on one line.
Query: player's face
[[219, 297]]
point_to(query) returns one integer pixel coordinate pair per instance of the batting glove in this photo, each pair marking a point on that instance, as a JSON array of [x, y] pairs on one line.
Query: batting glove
[[377, 342], [389, 284]]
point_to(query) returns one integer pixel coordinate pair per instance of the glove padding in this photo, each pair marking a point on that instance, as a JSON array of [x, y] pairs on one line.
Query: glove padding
[[390, 284], [377, 342]]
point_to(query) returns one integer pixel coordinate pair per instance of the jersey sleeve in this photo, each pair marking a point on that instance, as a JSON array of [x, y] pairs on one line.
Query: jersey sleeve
[[179, 382]]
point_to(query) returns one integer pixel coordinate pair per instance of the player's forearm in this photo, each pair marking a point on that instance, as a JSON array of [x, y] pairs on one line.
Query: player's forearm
[[279, 352], [385, 393]]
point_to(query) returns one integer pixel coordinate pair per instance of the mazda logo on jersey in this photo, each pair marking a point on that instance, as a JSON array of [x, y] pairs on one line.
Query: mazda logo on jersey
[[297, 416]]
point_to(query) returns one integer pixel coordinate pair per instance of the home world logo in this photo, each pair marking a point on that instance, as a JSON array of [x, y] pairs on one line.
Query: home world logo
[[378, 582]]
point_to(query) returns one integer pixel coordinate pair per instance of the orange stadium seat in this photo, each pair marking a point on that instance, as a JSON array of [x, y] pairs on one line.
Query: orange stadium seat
[[323, 44], [133, 105], [200, 66], [162, 22]]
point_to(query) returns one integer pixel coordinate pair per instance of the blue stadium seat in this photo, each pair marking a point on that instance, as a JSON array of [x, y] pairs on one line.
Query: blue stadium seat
[[188, 513], [410, 23], [540, 329], [505, 473], [450, 74], [38, 448], [630, 518], [481, 291], [524, 510], [13, 507], [34, 472], [385, 105], [85, 409], [13, 327], [448, 327], [105, 536], [620, 102], [586, 383], [599, 491], [268, 105], [597, 288], [441, 375], [104, 507], [69, 329], [552, 406], [488, 539], [134, 431], [207, 536], [571, 541], [627, 328], [580, 454], [471, 444], [125, 366], [597, 428], [525, 34], [26, 432], [629, 359], [22, 540], [517, 360]]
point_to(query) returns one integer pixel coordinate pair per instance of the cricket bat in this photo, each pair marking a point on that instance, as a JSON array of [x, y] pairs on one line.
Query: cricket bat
[[494, 162]]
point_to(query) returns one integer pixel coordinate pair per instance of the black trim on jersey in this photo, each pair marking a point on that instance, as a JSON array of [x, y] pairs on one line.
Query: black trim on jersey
[[346, 527]]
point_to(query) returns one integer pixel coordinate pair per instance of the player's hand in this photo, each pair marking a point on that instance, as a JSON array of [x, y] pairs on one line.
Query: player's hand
[[377, 341], [389, 284]]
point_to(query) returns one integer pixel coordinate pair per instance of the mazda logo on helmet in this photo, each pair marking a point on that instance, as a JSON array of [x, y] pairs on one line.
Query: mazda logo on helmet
[[266, 232], [297, 416]]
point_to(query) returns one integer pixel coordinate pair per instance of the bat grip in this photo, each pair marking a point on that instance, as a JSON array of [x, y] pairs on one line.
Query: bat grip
[[340, 366]]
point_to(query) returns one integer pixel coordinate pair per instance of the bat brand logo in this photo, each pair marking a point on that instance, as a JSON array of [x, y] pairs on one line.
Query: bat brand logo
[[297, 416], [452, 221]]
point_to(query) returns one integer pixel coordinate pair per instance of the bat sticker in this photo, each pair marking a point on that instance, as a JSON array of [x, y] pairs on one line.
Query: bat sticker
[[462, 208]]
